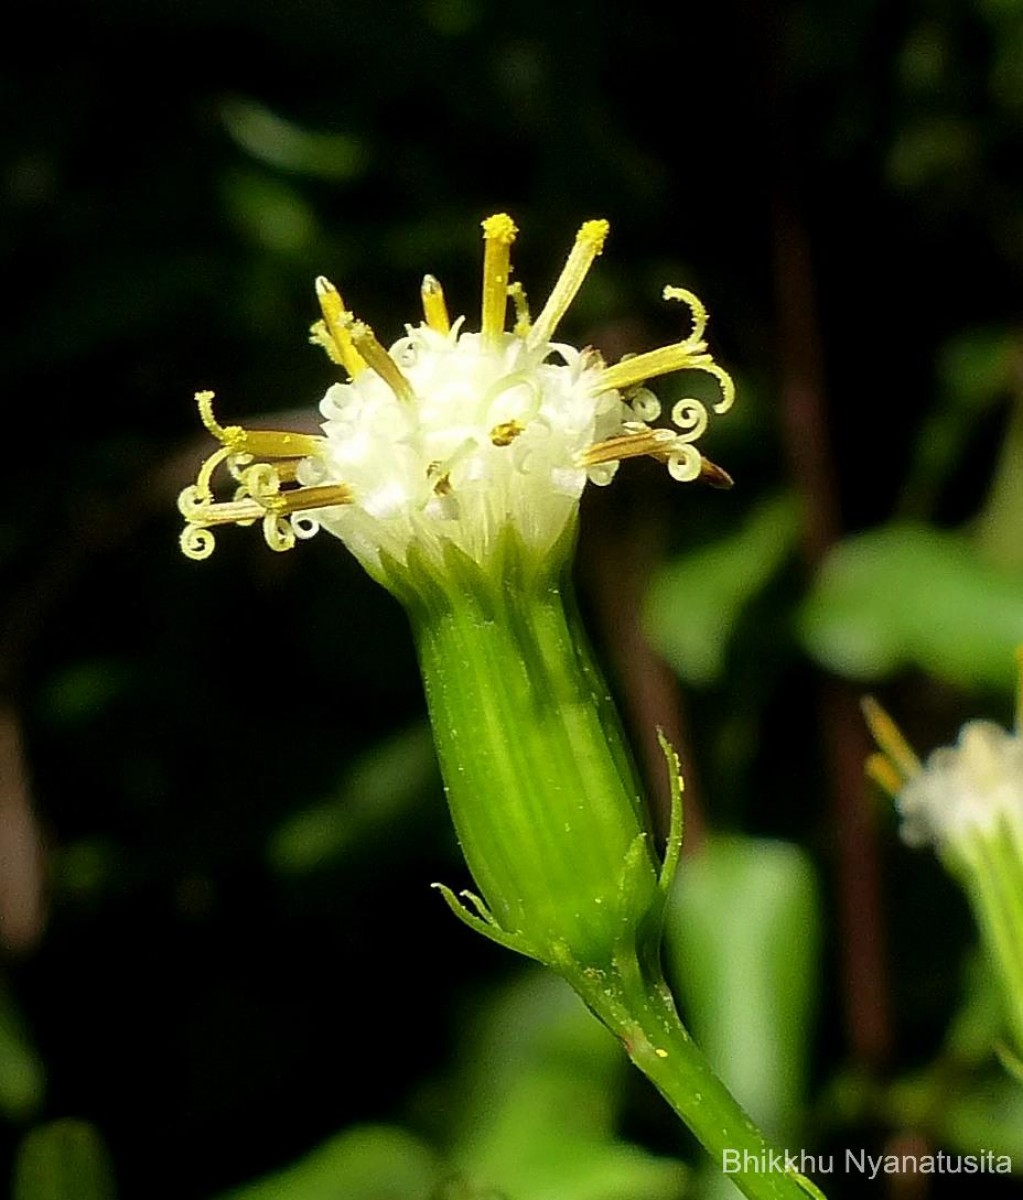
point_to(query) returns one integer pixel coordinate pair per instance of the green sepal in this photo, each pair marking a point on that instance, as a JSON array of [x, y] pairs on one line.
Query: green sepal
[[485, 923], [676, 829]]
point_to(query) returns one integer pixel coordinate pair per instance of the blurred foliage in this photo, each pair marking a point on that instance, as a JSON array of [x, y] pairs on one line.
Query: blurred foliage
[[22, 1075], [530, 1113], [743, 941], [64, 1160], [908, 595], [696, 601], [236, 812]]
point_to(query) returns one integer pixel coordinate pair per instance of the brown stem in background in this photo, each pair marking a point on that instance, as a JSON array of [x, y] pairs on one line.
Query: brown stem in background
[[619, 566], [21, 854], [861, 939]]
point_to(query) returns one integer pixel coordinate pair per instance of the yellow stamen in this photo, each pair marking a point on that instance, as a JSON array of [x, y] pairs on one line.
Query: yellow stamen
[[518, 297], [435, 309], [498, 234], [696, 307], [196, 543], [279, 443], [325, 495], [726, 382], [205, 402], [879, 768], [278, 532], [263, 478], [334, 312], [259, 443], [365, 341], [655, 443], [589, 242], [688, 355], [271, 507], [209, 465], [197, 511], [886, 733], [664, 361]]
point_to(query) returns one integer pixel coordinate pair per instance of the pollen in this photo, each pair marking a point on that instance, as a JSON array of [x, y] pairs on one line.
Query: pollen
[[448, 436]]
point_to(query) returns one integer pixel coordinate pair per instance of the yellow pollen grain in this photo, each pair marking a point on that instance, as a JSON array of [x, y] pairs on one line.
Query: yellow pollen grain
[[435, 309], [506, 433], [365, 341], [889, 737], [517, 294], [498, 234], [589, 242], [334, 313]]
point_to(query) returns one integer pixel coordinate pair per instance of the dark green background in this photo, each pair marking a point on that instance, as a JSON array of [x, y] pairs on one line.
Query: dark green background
[[215, 1009]]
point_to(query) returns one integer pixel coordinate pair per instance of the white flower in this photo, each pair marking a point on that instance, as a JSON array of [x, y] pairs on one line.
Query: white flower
[[448, 437], [974, 788], [971, 787]]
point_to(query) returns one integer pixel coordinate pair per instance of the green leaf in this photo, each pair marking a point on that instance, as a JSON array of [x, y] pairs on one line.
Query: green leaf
[[907, 595], [741, 940], [65, 1160], [283, 144], [369, 1162], [540, 1089], [986, 1116], [694, 602], [22, 1076], [974, 371]]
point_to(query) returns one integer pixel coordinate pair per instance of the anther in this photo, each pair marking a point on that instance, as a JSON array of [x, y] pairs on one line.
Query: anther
[[498, 234], [334, 313], [365, 342], [435, 309], [589, 242], [889, 737]]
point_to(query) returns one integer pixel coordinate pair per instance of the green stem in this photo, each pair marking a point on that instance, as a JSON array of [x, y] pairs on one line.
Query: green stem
[[639, 1008], [991, 868]]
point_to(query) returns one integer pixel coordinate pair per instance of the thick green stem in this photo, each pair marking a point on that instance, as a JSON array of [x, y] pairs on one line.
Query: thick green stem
[[638, 1006], [549, 816]]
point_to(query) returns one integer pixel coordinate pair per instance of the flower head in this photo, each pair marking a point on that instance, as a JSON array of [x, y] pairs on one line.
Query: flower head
[[971, 789], [967, 802], [449, 437]]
